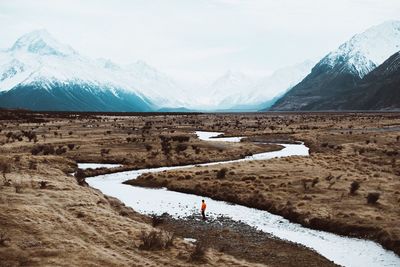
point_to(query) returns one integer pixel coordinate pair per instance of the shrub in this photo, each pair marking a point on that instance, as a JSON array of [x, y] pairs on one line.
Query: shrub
[[156, 240], [48, 150], [199, 252], [181, 147], [3, 239], [18, 187], [60, 150], [43, 184], [36, 150], [314, 182], [156, 220], [148, 147], [373, 197], [32, 165], [181, 138], [105, 151], [71, 146], [354, 186], [5, 167], [80, 177], [222, 173]]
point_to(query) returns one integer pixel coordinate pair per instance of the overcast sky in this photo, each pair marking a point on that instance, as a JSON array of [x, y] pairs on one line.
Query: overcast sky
[[198, 39]]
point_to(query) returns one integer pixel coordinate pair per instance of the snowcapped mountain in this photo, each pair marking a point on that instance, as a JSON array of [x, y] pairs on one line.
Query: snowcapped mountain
[[268, 88], [365, 51], [159, 87], [229, 84], [338, 73], [39, 66], [236, 91]]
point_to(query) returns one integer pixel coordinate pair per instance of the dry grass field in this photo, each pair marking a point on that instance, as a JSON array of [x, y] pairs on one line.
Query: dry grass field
[[50, 218]]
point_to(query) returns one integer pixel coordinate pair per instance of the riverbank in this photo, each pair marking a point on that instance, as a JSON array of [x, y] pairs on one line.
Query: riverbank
[[242, 241]]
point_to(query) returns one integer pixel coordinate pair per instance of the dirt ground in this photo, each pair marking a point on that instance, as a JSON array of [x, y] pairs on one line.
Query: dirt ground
[[48, 219]]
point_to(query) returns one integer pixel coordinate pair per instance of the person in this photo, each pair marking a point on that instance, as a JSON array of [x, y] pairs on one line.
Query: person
[[203, 209]]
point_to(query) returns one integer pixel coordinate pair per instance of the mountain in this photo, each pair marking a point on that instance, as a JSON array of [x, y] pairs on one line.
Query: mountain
[[40, 73], [218, 93], [159, 87], [380, 89], [339, 73], [269, 89], [235, 91]]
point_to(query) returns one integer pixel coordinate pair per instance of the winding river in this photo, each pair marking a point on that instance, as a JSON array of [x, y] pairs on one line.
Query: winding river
[[341, 250]]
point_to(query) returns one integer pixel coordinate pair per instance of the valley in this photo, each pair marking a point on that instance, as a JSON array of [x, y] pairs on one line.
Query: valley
[[319, 191]]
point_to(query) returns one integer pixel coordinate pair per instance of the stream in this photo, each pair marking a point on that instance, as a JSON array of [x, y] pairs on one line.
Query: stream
[[341, 250]]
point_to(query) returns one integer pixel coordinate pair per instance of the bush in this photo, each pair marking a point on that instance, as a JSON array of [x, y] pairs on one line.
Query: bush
[[156, 240], [156, 220], [36, 150], [43, 184], [3, 239], [373, 197], [355, 185], [80, 177], [5, 167], [181, 138], [18, 187], [60, 150], [199, 252], [48, 150], [71, 146], [314, 182], [32, 165], [222, 173], [181, 147], [105, 151]]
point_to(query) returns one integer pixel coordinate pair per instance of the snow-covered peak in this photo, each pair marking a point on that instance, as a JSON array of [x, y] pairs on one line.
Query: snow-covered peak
[[108, 64], [232, 77], [365, 51], [268, 87], [142, 69], [230, 82], [41, 42]]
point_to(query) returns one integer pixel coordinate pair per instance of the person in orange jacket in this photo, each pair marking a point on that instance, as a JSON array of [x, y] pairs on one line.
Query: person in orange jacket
[[203, 209]]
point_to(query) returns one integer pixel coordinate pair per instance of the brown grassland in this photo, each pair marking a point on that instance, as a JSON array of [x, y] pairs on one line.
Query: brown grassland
[[50, 218]]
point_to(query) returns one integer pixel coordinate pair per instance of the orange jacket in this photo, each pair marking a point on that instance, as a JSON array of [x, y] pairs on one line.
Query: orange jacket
[[203, 206]]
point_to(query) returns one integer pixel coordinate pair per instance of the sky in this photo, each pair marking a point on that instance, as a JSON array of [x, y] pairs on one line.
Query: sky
[[198, 40]]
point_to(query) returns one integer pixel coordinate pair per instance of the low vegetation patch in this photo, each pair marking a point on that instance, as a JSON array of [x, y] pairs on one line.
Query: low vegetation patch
[[221, 174], [199, 252], [354, 186], [373, 197], [156, 240]]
